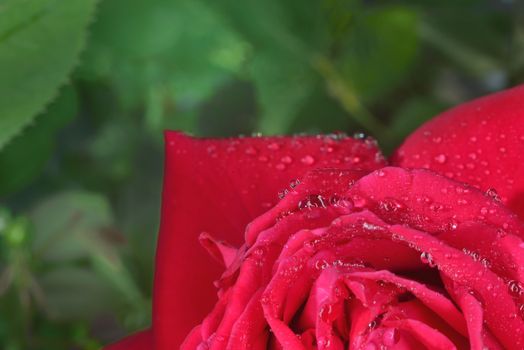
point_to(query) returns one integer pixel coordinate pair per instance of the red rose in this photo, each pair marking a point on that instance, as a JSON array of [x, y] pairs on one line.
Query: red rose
[[354, 255]]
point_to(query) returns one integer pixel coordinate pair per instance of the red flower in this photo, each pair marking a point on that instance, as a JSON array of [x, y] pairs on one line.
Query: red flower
[[354, 254]]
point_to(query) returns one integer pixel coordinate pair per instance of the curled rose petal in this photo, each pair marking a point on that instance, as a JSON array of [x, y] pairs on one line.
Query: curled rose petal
[[479, 142], [324, 248], [322, 275], [218, 186]]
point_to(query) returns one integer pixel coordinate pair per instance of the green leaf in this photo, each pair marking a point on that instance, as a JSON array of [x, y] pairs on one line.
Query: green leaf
[[319, 104], [23, 159], [380, 49], [71, 225], [74, 293], [282, 86], [39, 44], [162, 56], [285, 35]]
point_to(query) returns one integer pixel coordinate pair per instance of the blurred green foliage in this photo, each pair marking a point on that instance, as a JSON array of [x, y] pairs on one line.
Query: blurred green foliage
[[86, 88]]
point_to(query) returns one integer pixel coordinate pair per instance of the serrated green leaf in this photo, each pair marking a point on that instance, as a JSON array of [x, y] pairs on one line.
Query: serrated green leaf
[[22, 160], [39, 44]]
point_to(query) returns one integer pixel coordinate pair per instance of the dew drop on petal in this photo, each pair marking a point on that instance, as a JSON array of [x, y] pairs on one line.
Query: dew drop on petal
[[307, 160], [326, 312], [286, 160], [251, 151], [390, 337], [441, 158], [427, 258], [492, 193], [323, 342], [273, 146], [321, 264], [515, 288]]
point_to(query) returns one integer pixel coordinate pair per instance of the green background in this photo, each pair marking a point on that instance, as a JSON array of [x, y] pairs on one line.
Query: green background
[[87, 86]]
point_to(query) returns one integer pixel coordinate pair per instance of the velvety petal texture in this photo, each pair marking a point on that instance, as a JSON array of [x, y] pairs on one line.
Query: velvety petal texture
[[373, 262], [217, 187], [480, 142], [314, 243]]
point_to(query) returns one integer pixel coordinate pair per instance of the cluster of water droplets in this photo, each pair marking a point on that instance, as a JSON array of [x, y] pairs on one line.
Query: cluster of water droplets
[[427, 259], [477, 257]]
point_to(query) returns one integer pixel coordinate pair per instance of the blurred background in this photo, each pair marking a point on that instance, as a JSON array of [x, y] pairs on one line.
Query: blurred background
[[86, 88]]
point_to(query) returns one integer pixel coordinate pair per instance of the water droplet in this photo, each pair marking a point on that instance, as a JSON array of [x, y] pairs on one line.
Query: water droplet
[[492, 193], [251, 151], [294, 183], [286, 160], [359, 201], [515, 288], [273, 146], [325, 313], [390, 337], [485, 262], [390, 205], [441, 158], [280, 166], [344, 203], [263, 159], [321, 264], [282, 194], [427, 258], [258, 251], [370, 227], [323, 342], [265, 299], [307, 160]]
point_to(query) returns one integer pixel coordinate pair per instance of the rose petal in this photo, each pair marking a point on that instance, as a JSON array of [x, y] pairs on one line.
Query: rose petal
[[429, 337], [218, 186], [479, 142], [473, 314], [434, 301], [499, 306], [430, 202], [221, 251], [250, 330]]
